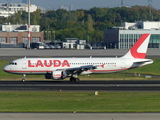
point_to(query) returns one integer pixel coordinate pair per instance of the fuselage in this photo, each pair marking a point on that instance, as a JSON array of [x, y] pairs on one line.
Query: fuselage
[[47, 65]]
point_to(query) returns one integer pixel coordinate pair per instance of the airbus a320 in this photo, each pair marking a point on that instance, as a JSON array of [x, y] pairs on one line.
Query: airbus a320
[[61, 68]]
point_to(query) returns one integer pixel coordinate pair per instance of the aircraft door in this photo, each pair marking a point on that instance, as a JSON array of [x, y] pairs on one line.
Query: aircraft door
[[123, 63], [24, 64]]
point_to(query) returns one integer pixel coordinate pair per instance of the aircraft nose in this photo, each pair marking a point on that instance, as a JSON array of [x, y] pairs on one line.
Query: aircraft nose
[[6, 68]]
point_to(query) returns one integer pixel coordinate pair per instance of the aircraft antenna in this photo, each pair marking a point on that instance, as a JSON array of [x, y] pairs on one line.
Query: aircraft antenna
[[150, 5]]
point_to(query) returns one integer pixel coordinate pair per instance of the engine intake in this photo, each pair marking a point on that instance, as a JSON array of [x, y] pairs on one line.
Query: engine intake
[[56, 75]]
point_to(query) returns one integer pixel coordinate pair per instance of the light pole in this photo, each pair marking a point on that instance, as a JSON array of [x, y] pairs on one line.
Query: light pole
[[150, 5], [121, 3], [29, 34]]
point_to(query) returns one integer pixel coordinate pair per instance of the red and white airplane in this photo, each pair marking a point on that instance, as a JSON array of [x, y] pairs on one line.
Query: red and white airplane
[[61, 68]]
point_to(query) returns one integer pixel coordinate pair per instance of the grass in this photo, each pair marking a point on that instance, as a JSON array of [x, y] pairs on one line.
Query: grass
[[79, 102]]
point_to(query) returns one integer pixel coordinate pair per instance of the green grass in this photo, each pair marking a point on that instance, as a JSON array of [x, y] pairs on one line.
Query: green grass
[[79, 102]]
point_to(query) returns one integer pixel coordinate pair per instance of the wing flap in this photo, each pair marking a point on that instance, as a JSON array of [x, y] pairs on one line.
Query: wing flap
[[79, 70]]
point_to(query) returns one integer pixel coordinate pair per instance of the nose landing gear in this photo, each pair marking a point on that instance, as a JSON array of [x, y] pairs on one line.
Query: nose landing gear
[[23, 79]]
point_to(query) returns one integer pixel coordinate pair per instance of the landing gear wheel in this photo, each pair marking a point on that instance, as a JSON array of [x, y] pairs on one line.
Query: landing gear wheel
[[72, 79], [23, 79], [76, 80]]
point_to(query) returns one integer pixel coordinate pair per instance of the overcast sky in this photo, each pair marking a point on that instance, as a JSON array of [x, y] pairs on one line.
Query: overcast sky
[[87, 4]]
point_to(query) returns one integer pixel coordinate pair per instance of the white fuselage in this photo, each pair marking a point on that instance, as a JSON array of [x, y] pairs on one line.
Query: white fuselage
[[47, 65]]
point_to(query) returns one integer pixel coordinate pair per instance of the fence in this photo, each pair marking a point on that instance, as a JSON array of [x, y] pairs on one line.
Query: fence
[[11, 45]]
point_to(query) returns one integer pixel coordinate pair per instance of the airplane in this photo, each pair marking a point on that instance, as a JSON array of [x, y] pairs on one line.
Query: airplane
[[61, 68]]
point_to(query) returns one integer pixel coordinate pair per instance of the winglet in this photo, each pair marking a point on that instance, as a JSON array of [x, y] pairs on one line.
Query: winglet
[[139, 49]]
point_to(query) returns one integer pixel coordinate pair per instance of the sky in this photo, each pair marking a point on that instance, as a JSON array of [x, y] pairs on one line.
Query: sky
[[87, 4]]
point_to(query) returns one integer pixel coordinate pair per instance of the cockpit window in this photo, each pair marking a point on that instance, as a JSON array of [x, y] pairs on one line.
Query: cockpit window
[[13, 63]]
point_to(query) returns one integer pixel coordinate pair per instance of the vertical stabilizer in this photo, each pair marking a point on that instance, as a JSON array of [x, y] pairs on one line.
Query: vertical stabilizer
[[139, 49]]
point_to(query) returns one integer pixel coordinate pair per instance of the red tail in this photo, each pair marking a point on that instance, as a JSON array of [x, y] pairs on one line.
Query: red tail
[[140, 48]]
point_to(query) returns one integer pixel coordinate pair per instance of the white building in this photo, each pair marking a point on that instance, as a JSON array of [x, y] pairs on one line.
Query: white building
[[141, 25], [127, 34], [70, 8], [64, 7], [19, 28], [8, 9]]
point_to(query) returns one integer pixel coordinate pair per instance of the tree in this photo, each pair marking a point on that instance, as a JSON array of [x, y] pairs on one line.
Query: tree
[[35, 17], [90, 23]]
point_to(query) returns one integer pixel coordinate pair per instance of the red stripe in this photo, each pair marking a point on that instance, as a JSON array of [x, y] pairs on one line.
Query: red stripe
[[17, 71]]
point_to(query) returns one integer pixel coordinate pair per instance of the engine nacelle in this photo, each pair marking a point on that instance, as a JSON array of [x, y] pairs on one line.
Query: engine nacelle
[[56, 75]]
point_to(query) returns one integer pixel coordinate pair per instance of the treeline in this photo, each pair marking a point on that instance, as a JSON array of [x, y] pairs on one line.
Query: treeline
[[83, 24]]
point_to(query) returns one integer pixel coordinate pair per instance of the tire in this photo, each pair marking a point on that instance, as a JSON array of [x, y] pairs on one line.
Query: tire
[[72, 79], [23, 80], [76, 80]]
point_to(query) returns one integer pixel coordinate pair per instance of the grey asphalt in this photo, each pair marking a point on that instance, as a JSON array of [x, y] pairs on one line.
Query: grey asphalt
[[122, 86], [79, 116], [71, 53]]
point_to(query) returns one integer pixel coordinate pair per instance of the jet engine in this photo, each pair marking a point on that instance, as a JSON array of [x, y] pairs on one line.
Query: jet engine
[[56, 75]]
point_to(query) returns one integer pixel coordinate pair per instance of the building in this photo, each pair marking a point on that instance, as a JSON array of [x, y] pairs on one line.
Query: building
[[8, 9], [19, 34], [127, 34], [74, 43], [64, 7], [19, 28], [70, 8]]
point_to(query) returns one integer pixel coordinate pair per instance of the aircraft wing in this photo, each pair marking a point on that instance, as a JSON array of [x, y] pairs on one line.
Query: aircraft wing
[[79, 70]]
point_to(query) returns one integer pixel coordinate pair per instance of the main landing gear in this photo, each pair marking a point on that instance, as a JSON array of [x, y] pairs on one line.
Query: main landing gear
[[73, 79], [24, 78]]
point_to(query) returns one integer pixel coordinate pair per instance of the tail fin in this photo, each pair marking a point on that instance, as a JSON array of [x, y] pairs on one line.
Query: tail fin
[[139, 49]]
